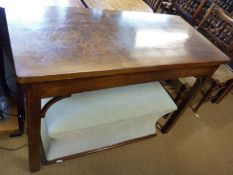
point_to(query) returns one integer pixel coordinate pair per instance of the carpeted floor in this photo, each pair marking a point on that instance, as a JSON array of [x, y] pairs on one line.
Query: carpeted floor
[[195, 145]]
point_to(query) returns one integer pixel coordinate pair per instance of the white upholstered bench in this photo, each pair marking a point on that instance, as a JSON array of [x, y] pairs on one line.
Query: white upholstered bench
[[97, 119]]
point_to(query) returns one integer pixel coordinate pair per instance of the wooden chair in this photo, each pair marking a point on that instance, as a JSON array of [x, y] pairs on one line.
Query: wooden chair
[[166, 6], [218, 28], [227, 5], [188, 9]]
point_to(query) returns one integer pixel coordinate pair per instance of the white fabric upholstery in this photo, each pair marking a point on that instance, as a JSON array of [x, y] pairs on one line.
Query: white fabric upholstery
[[96, 119], [78, 141], [222, 74]]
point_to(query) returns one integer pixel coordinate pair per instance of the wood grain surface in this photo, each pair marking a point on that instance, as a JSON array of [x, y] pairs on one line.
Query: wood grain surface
[[123, 5], [55, 43]]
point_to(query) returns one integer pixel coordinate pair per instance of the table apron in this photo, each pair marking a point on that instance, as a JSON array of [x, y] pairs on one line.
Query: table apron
[[71, 86]]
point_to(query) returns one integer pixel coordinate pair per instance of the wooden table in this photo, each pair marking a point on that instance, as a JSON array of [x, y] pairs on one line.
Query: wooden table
[[125, 5], [60, 51]]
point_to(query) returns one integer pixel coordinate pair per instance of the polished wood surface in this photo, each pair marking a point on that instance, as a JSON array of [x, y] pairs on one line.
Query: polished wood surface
[[62, 43], [123, 5], [38, 3]]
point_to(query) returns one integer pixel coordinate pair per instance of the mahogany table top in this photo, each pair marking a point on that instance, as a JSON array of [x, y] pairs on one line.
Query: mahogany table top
[[56, 43]]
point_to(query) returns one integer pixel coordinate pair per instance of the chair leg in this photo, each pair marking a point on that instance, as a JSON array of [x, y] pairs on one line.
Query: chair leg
[[84, 3], [170, 9], [157, 6], [182, 89], [206, 96], [222, 93]]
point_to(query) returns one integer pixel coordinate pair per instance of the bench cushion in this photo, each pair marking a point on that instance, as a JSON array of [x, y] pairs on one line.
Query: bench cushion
[[95, 118], [81, 141]]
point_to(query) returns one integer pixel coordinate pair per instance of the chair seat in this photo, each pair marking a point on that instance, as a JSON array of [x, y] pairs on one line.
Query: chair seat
[[188, 81], [96, 119], [222, 74]]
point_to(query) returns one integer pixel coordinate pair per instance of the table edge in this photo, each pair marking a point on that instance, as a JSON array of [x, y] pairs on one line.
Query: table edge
[[93, 74]]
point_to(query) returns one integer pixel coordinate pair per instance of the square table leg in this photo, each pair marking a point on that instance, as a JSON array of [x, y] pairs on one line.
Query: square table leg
[[185, 102], [33, 107]]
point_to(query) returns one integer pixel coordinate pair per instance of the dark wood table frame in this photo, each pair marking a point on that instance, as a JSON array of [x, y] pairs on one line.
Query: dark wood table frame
[[200, 61], [36, 91]]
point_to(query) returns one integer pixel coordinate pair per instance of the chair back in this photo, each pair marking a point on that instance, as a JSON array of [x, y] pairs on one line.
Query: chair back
[[217, 26], [227, 5], [189, 9]]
